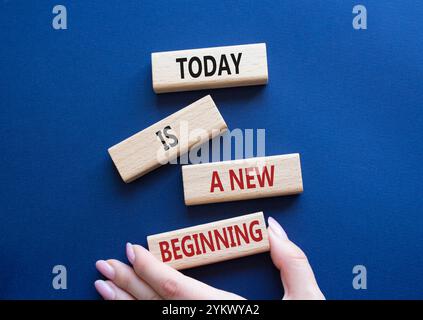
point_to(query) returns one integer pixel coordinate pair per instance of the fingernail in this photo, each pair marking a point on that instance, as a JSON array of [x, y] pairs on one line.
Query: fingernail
[[105, 269], [277, 228], [105, 290], [130, 253]]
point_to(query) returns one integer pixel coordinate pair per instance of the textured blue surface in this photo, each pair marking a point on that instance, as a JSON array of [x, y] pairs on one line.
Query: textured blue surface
[[349, 101]]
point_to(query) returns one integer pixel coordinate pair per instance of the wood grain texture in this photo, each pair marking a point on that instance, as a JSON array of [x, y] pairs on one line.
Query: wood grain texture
[[188, 127], [242, 179], [186, 248], [233, 66]]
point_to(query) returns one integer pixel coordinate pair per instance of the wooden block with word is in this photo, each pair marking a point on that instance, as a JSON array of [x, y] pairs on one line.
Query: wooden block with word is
[[208, 68], [242, 179], [211, 242], [167, 139]]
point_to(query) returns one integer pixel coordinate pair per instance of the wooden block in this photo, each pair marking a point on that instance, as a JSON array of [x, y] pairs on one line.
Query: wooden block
[[211, 242], [208, 68], [242, 179], [167, 139]]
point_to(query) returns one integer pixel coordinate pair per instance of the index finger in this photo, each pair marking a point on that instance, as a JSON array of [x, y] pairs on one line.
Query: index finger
[[168, 282]]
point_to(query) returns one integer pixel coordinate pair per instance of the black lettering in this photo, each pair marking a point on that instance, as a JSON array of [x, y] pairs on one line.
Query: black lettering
[[236, 61], [192, 73], [224, 65], [160, 136], [166, 134], [169, 135], [208, 72], [181, 61]]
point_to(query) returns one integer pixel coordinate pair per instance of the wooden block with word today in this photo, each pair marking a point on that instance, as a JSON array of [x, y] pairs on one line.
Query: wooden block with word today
[[167, 139], [211, 242], [242, 179], [208, 68]]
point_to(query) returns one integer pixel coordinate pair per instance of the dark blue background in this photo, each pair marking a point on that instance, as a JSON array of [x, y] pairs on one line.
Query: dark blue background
[[349, 101]]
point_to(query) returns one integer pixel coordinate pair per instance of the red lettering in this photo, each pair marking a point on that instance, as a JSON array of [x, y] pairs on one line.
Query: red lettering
[[165, 252], [257, 236], [265, 176], [233, 244], [197, 246], [239, 180], [219, 238], [190, 246], [176, 248], [209, 241], [238, 233], [216, 183], [249, 177]]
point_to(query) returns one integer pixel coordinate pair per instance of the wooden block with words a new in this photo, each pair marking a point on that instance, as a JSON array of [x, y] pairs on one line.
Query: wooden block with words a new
[[208, 68], [242, 179], [167, 139], [211, 242]]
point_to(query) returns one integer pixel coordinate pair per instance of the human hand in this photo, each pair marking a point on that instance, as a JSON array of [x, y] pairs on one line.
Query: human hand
[[148, 278]]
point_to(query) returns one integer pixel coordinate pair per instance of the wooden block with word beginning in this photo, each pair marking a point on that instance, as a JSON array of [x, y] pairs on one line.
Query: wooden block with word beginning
[[208, 68], [211, 242], [167, 139], [242, 179]]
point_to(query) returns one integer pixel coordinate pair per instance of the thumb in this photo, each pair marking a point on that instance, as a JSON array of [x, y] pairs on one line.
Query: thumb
[[297, 276]]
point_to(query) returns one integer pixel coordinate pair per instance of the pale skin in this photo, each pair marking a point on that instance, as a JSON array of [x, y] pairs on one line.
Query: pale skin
[[147, 278]]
